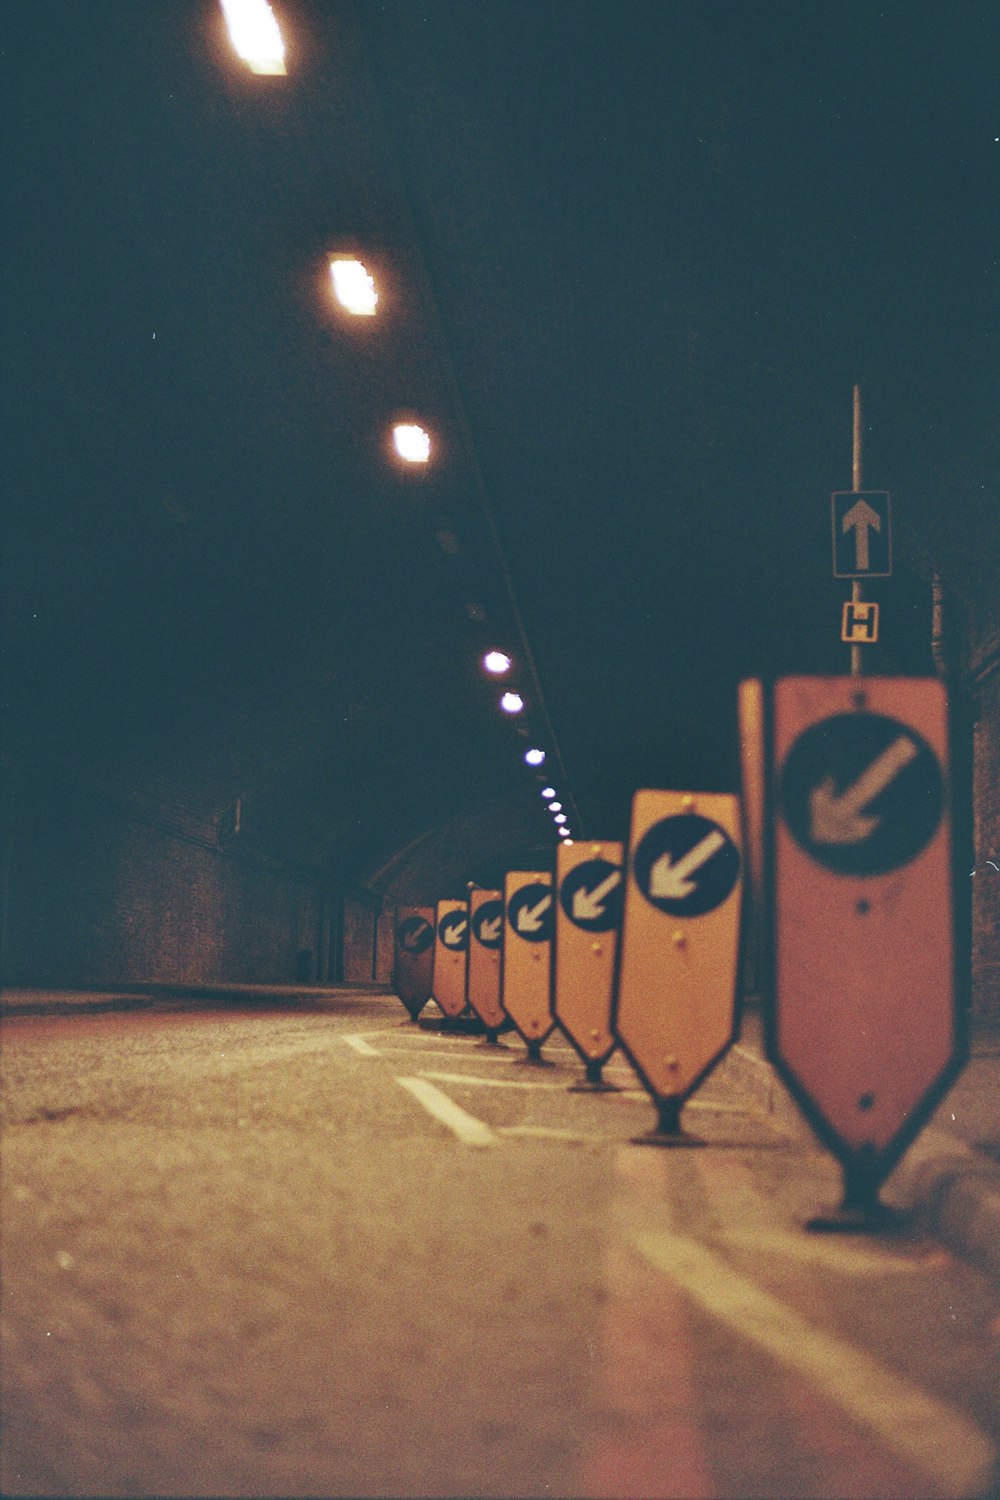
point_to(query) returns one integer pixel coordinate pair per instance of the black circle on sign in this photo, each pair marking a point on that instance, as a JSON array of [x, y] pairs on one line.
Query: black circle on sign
[[453, 929], [862, 793], [490, 911], [591, 895], [414, 935], [530, 913], [686, 865]]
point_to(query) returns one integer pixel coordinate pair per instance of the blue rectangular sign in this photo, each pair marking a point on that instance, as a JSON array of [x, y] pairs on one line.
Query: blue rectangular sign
[[862, 534]]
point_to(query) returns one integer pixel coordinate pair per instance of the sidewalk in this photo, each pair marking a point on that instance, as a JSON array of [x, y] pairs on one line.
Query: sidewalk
[[55, 1002], [950, 1176]]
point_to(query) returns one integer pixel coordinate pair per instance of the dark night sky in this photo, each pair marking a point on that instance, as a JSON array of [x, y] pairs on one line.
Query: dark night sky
[[636, 256]]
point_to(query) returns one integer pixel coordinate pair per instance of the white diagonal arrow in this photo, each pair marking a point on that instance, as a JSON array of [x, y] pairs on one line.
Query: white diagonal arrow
[[859, 518], [589, 905], [837, 819], [413, 938], [529, 918], [453, 932], [669, 881], [489, 931]]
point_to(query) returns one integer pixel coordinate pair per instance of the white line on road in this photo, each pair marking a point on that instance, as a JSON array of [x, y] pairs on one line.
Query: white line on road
[[550, 1133], [834, 1254], [488, 1083], [915, 1426], [360, 1045], [470, 1131]]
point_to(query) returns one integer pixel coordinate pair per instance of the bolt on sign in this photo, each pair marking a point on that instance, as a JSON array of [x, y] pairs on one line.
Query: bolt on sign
[[862, 1026], [527, 954], [413, 959], [450, 948], [587, 921], [485, 946], [675, 996]]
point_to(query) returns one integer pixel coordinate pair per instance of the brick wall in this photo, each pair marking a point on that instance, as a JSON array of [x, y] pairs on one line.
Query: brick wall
[[98, 894]]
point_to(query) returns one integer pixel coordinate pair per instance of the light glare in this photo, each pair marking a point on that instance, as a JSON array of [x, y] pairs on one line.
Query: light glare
[[560, 818], [555, 807], [255, 35], [548, 791], [412, 442], [534, 757], [512, 703], [354, 287], [496, 662]]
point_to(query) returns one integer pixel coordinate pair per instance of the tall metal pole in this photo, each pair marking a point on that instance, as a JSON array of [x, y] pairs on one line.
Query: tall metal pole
[[856, 482]]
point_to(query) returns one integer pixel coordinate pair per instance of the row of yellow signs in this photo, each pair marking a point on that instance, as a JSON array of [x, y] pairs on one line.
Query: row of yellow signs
[[845, 832], [545, 950]]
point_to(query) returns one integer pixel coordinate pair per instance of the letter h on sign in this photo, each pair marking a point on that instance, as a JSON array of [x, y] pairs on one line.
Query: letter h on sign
[[859, 623]]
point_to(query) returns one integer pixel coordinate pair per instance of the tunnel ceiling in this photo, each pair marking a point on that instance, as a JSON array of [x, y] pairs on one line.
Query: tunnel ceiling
[[632, 259]]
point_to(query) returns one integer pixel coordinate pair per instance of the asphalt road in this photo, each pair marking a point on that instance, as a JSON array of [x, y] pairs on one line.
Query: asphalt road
[[325, 1252]]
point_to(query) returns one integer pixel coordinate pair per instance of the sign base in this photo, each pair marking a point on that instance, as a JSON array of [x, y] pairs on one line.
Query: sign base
[[668, 1131], [534, 1058], [593, 1082], [862, 1210]]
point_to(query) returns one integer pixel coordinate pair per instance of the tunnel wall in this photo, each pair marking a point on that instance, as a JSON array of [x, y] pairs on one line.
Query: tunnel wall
[[100, 895]]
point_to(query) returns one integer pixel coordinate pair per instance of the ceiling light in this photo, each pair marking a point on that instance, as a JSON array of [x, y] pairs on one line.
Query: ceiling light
[[548, 791], [412, 443], [555, 807], [496, 663], [255, 35], [534, 757], [512, 703], [354, 287], [559, 818]]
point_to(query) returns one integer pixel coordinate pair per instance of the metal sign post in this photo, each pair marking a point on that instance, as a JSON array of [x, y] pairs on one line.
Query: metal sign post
[[527, 957], [675, 1000], [863, 1026], [450, 949], [588, 918], [414, 956]]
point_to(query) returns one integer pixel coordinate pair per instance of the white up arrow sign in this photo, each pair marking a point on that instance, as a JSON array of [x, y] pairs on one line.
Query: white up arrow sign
[[669, 882], [589, 905], [490, 931], [529, 918], [839, 820], [859, 518]]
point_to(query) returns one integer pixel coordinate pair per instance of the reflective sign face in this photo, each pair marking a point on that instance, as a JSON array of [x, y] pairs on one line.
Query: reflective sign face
[[675, 999], [863, 1027], [453, 929], [486, 915], [590, 893], [486, 925], [588, 916], [686, 865], [415, 933], [449, 956], [527, 950], [413, 958], [529, 911], [862, 793]]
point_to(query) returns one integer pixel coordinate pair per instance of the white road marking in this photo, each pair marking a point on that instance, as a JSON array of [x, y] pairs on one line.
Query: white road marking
[[479, 1057], [832, 1253], [488, 1083], [470, 1131], [915, 1426], [360, 1045], [549, 1133]]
